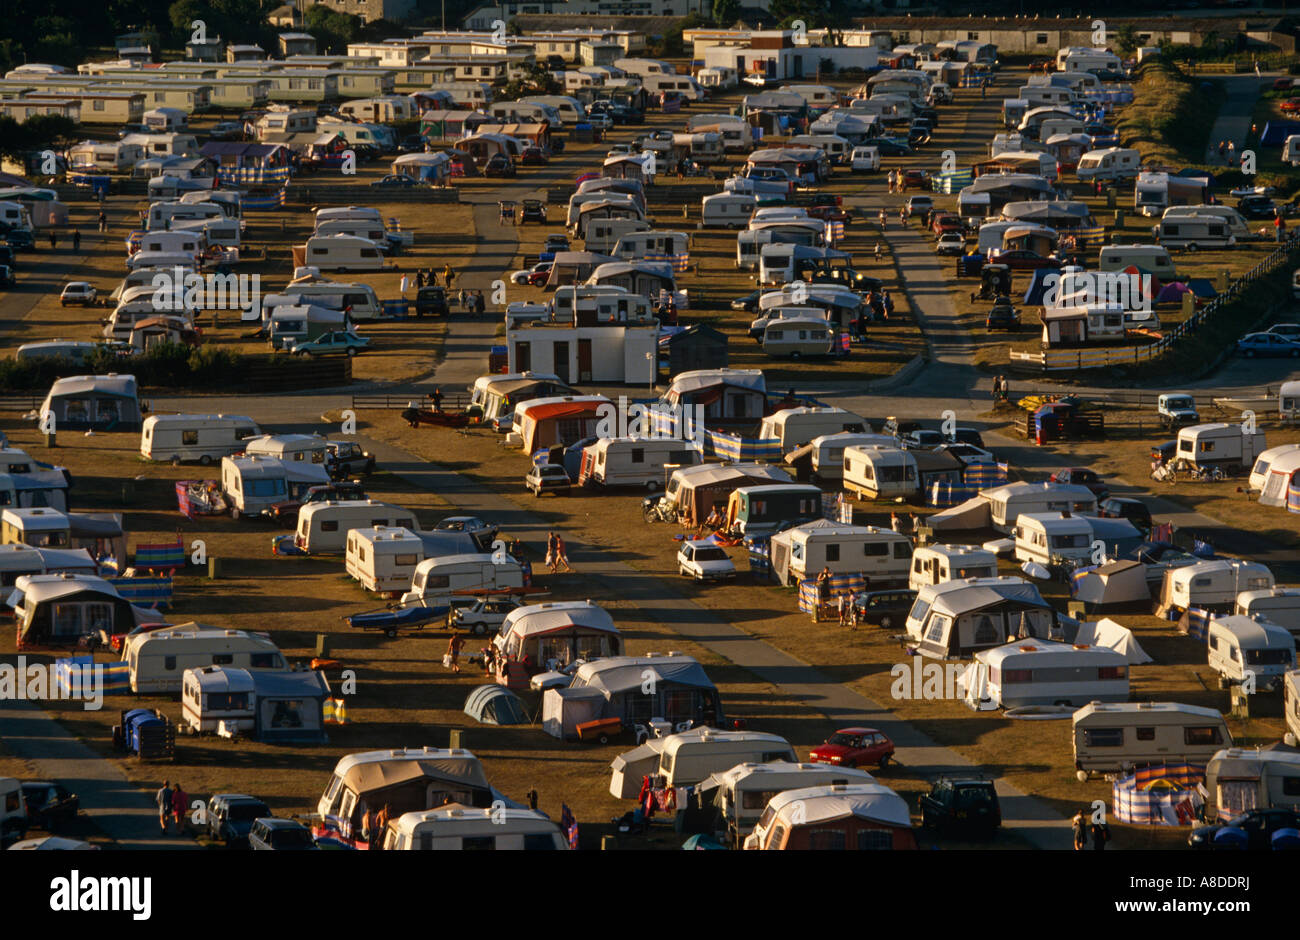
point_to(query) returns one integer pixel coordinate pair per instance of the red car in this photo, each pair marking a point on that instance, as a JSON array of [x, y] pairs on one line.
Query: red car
[[1291, 106], [1081, 476], [829, 214], [854, 747], [946, 223], [1022, 259], [532, 156], [915, 179]]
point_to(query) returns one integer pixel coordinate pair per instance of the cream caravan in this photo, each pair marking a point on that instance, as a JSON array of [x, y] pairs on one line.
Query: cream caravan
[[323, 527], [157, 661], [194, 437], [1116, 737], [383, 559]]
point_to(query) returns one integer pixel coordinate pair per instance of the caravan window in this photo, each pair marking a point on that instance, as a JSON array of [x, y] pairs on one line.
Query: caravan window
[[902, 549], [638, 455], [266, 487], [77, 409], [938, 626], [1103, 737], [169, 662], [777, 837], [288, 714], [265, 661], [823, 839], [330, 526], [406, 559], [438, 581], [875, 840], [231, 701], [832, 553], [1146, 734], [1281, 657], [875, 549], [1206, 735], [919, 610], [222, 659]]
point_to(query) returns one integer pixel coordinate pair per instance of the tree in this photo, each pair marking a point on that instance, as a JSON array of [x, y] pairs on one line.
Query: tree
[[533, 80], [725, 12]]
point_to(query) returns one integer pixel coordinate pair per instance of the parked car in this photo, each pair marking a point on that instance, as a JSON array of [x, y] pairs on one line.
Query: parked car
[[831, 213], [547, 478], [1126, 507], [1256, 207], [600, 120], [7, 278], [748, 303], [1267, 345], [231, 817], [1082, 476], [279, 835], [890, 147], [413, 143], [49, 805], [854, 747], [1176, 410], [884, 609], [704, 561], [923, 439], [345, 458], [395, 181], [499, 167], [1002, 316], [915, 179], [919, 205], [533, 156], [967, 453], [78, 292], [227, 130], [1290, 106], [482, 532], [431, 301], [128, 129], [335, 343], [961, 803], [532, 210], [1291, 330], [555, 243], [946, 222], [1022, 259], [535, 276], [1258, 825], [950, 243], [286, 513], [485, 616]]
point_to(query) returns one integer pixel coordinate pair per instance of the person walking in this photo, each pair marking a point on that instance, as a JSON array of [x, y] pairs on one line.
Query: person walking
[[76, 239], [823, 590], [164, 800], [1100, 833], [103, 222], [879, 251], [895, 522], [436, 395], [452, 659], [845, 603], [54, 241], [180, 803], [561, 554], [884, 220], [1080, 824], [551, 539], [448, 275]]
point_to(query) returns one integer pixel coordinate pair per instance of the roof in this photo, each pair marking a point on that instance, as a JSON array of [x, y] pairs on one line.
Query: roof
[[686, 382], [112, 384], [1145, 708], [41, 589], [541, 619], [373, 770], [1254, 633], [1045, 648], [615, 674], [783, 774], [873, 801], [544, 409]]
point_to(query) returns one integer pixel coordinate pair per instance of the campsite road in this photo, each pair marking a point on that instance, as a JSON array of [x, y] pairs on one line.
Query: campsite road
[[123, 813], [1233, 121]]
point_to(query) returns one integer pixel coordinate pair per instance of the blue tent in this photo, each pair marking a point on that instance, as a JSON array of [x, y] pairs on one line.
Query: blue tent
[[1276, 133], [1038, 286], [1202, 288], [495, 705]]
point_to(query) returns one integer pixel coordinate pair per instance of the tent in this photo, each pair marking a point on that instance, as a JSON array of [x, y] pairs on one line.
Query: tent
[[495, 705], [1203, 288], [1276, 133], [99, 402], [1119, 584], [1114, 636], [1038, 285], [426, 167], [290, 706], [1160, 795], [971, 515], [695, 490], [1172, 293]]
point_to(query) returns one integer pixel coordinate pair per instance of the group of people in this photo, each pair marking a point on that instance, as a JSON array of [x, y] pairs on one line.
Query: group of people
[[847, 610], [1228, 152], [1085, 827], [172, 802], [472, 301], [896, 522], [1001, 391], [557, 558]]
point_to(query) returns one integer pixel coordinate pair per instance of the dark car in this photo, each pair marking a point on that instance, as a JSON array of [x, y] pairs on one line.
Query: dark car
[[1257, 207], [396, 181], [1002, 316], [481, 532], [532, 210], [431, 301], [128, 129], [888, 147], [967, 804], [227, 130], [287, 511], [829, 214], [279, 835], [1082, 476], [499, 167], [915, 179], [854, 747], [883, 609], [533, 156], [1257, 824], [7, 278], [748, 303], [19, 238], [1126, 507], [231, 817], [1268, 344], [1022, 259], [347, 458], [968, 436], [50, 805], [412, 144]]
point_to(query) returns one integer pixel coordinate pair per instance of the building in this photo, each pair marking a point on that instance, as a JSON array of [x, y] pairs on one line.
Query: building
[[696, 347], [482, 17], [605, 353]]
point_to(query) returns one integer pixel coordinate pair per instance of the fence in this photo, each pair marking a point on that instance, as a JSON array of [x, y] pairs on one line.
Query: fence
[[1071, 360], [276, 375], [20, 403], [355, 194], [453, 403]]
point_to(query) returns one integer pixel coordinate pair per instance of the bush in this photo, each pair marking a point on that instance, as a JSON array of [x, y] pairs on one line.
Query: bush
[[166, 365]]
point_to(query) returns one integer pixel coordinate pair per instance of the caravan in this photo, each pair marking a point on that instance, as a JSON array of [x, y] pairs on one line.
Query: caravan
[[1111, 163], [1194, 232], [1213, 584], [440, 577], [827, 452], [456, 827], [794, 427], [741, 794], [763, 510], [157, 660], [194, 437], [881, 557], [1255, 654], [876, 472], [323, 527], [727, 210], [938, 564], [341, 253], [1117, 737], [252, 485], [1052, 538], [382, 558], [1240, 779], [1041, 672], [795, 337], [1279, 605], [1230, 447], [635, 461], [689, 757]]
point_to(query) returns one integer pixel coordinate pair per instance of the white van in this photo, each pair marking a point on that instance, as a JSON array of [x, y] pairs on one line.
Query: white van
[[1153, 259], [382, 558], [157, 661], [444, 576], [323, 527], [635, 461], [1116, 737], [865, 159], [937, 564], [194, 437], [1110, 163], [727, 210], [1239, 646], [604, 234]]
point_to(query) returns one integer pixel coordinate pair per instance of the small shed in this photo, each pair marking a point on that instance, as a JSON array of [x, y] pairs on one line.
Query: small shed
[[696, 347]]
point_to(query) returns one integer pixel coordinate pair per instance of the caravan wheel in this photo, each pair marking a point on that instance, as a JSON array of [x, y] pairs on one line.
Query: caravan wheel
[[205, 460], [1193, 247], [651, 486]]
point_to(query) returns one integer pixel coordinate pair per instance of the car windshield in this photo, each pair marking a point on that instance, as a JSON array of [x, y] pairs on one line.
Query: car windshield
[[973, 796], [291, 838], [844, 740], [710, 554]]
